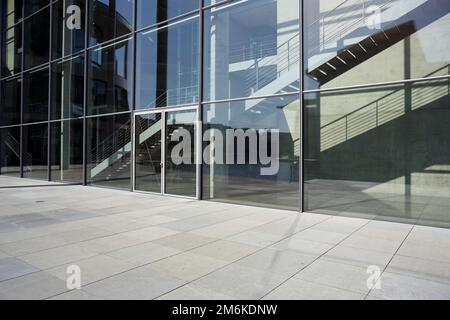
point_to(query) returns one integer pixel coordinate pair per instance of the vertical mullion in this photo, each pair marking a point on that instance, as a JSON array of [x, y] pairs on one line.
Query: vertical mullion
[[163, 152], [85, 88], [22, 65], [302, 110], [133, 98], [49, 93], [199, 131]]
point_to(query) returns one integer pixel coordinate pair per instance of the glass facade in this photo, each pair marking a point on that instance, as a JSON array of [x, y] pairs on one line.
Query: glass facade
[[222, 101]]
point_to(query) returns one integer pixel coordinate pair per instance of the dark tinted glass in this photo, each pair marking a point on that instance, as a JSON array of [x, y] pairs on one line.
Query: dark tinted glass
[[35, 151], [67, 89], [109, 19], [67, 151], [150, 12], [10, 101], [35, 97], [110, 79], [10, 151], [32, 6], [68, 27], [37, 39], [109, 151], [167, 65]]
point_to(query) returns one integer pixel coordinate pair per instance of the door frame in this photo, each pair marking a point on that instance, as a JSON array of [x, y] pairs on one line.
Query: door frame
[[163, 112]]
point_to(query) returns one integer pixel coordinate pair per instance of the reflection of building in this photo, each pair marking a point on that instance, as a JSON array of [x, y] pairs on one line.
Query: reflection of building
[[367, 136]]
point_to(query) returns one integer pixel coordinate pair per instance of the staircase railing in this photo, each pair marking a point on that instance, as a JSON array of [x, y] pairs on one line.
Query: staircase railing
[[109, 146], [347, 21], [176, 96], [254, 49], [377, 113], [14, 146], [261, 72]]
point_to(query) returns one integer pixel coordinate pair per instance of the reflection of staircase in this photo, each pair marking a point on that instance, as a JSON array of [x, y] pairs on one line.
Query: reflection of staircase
[[116, 147], [274, 75], [399, 19], [14, 146], [380, 112], [112, 149], [176, 96]]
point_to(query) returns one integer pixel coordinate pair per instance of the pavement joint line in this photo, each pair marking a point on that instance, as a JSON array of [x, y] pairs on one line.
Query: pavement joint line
[[320, 256], [116, 233], [390, 260], [192, 249], [233, 262]]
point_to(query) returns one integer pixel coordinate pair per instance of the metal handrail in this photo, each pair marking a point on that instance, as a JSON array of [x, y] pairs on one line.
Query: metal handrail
[[384, 97], [334, 132]]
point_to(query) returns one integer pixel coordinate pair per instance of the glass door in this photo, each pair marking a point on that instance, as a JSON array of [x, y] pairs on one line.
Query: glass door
[[165, 152], [148, 152], [180, 167]]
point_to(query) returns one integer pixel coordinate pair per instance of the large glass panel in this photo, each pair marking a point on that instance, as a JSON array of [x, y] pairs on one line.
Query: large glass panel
[[11, 45], [148, 168], [68, 27], [251, 49], [167, 65], [151, 12], [10, 100], [10, 151], [35, 151], [109, 19], [35, 97], [180, 168], [109, 151], [252, 152], [37, 39], [353, 42], [66, 153], [110, 79], [67, 88], [380, 153], [32, 6]]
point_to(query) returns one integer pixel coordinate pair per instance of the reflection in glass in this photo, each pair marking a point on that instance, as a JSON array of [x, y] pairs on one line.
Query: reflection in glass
[[10, 100], [380, 153], [349, 43], [35, 104], [10, 151], [150, 12], [37, 39], [109, 151], [66, 153], [251, 49], [109, 19], [67, 88], [180, 168], [67, 40], [148, 152], [167, 65], [253, 151], [32, 6], [110, 79], [35, 151], [11, 51]]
